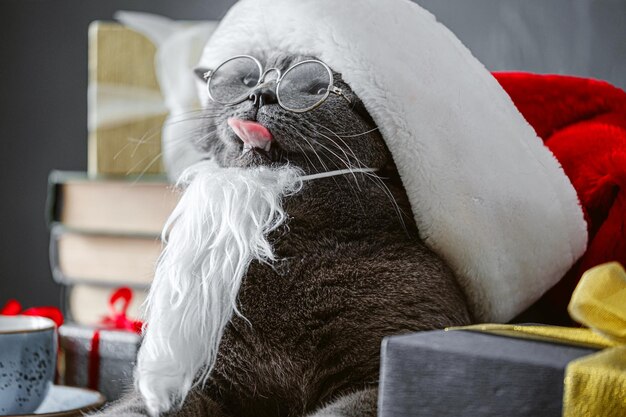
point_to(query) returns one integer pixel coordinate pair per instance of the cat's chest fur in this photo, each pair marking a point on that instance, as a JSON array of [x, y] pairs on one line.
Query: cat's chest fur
[[348, 274]]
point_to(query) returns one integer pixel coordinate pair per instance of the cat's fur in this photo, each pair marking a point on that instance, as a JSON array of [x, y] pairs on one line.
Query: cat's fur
[[352, 270]]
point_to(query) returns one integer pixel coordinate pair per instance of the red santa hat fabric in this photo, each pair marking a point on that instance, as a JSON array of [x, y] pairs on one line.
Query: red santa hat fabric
[[583, 122]]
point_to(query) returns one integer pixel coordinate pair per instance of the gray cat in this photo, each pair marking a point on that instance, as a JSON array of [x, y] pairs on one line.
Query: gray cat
[[352, 269]]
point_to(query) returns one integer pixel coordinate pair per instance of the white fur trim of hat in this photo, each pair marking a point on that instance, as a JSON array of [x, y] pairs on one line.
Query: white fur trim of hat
[[486, 194]]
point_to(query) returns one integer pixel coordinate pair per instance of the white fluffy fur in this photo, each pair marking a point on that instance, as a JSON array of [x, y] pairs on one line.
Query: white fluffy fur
[[220, 225], [486, 194]]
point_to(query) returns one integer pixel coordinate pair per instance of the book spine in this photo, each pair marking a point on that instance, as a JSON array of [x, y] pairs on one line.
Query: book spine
[[88, 304], [53, 255], [57, 273], [53, 200]]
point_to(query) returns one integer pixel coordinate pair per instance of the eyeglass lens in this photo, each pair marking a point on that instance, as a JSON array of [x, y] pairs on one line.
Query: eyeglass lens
[[303, 85], [232, 81]]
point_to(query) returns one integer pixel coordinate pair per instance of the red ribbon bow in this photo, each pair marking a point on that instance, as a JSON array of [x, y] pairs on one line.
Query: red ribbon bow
[[116, 320], [13, 308]]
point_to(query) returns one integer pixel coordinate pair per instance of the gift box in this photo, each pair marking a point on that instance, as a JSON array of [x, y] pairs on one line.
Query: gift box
[[515, 370], [98, 359], [465, 373]]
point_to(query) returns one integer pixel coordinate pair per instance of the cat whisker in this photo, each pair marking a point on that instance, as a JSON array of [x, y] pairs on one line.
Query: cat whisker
[[143, 140], [375, 178], [196, 136], [130, 141], [132, 168], [314, 151], [358, 194], [123, 148], [385, 189], [357, 134], [347, 164], [340, 148], [356, 159], [197, 113], [146, 168], [309, 162], [205, 116], [347, 135]]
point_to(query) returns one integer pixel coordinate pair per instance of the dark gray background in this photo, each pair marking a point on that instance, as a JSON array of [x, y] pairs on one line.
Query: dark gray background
[[43, 84]]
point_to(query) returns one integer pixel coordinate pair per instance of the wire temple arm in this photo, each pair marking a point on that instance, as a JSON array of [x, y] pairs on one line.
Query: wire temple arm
[[339, 92]]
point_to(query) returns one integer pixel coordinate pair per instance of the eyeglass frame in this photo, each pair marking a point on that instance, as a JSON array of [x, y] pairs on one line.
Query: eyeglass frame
[[263, 73]]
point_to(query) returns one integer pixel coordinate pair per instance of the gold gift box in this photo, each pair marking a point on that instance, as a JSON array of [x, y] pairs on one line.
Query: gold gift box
[[126, 108]]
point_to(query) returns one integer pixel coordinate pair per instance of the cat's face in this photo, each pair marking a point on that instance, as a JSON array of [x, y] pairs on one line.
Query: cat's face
[[338, 134]]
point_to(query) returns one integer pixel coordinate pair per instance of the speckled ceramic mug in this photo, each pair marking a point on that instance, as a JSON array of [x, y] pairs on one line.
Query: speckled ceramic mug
[[28, 347]]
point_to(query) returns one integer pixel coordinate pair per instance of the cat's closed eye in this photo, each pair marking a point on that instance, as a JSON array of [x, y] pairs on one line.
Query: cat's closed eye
[[318, 88], [250, 80]]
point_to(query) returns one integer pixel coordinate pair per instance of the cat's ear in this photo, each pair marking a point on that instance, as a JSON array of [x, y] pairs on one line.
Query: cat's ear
[[201, 73]]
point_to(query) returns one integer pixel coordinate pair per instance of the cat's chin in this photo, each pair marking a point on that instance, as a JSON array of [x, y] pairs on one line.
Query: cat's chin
[[250, 158]]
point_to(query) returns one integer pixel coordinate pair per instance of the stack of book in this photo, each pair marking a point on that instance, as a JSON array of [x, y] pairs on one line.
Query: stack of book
[[105, 223], [105, 235]]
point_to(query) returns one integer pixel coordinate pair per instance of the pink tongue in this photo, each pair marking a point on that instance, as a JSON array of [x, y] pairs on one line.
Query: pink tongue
[[251, 133]]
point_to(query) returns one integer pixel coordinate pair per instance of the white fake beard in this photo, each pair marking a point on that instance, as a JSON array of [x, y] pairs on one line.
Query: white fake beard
[[219, 226]]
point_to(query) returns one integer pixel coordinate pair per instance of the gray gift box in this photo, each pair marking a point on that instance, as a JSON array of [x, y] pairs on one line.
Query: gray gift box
[[117, 353], [467, 373]]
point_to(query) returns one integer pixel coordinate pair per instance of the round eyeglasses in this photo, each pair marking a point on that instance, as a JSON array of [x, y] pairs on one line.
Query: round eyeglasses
[[301, 88]]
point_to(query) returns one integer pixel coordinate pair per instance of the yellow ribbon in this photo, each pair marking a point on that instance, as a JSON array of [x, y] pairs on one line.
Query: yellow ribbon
[[595, 385]]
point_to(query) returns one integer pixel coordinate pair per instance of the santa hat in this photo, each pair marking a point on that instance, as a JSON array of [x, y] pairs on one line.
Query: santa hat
[[487, 196]]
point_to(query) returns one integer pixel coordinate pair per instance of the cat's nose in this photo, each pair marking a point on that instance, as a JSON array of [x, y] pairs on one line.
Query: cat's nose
[[263, 95], [252, 134]]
